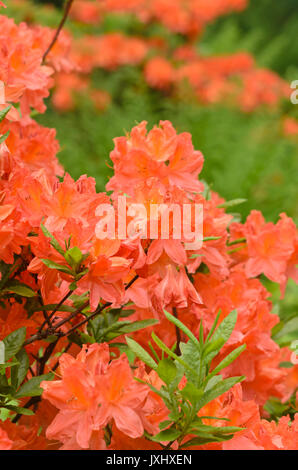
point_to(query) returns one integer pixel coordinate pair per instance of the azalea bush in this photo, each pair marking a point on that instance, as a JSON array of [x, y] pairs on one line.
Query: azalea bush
[[130, 341]]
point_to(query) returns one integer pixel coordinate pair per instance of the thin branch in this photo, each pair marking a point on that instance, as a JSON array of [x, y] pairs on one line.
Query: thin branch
[[53, 331], [65, 351], [65, 15], [98, 310], [178, 334], [74, 314], [41, 363], [56, 309], [44, 312]]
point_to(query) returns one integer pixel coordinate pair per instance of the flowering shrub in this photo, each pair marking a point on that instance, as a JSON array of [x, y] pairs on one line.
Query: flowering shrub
[[130, 342]]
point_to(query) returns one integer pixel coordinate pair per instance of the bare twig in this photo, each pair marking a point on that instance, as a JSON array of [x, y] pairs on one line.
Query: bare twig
[[98, 310], [41, 362], [56, 309], [65, 15]]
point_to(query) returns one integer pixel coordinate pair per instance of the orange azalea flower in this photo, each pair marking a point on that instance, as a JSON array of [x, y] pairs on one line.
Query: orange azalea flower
[[5, 442], [91, 393], [159, 73], [162, 154], [269, 246]]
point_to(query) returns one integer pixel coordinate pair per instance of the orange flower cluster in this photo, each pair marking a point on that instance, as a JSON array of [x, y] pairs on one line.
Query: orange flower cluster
[[56, 269], [290, 127], [233, 79], [109, 52], [182, 16]]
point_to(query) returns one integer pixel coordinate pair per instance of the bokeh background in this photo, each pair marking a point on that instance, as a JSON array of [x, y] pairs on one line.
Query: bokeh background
[[247, 154]]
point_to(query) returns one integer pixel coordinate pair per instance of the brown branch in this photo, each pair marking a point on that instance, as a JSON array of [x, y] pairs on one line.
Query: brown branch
[[65, 15], [98, 310], [178, 334], [41, 363], [56, 309], [53, 331], [44, 312], [74, 314]]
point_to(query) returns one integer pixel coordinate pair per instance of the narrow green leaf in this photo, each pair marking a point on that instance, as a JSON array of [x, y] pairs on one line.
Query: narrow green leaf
[[167, 370], [191, 393], [232, 203], [19, 288], [182, 327], [166, 435], [32, 387], [227, 361], [73, 256], [170, 353], [59, 267], [141, 353], [206, 239], [55, 244], [4, 112], [219, 389], [4, 137], [13, 342], [19, 372]]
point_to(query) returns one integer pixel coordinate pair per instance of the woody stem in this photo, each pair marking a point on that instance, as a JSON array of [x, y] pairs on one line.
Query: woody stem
[[178, 334], [58, 30]]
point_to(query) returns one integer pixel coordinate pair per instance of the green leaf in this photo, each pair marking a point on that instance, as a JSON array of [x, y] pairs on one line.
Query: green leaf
[[166, 435], [212, 382], [191, 393], [59, 267], [19, 372], [220, 337], [73, 256], [191, 356], [19, 288], [4, 112], [123, 327], [141, 353], [218, 431], [55, 244], [232, 203], [20, 410], [51, 307], [165, 424], [235, 242], [220, 388], [167, 370], [137, 325], [4, 137], [227, 361], [226, 327], [287, 333], [213, 327], [206, 239], [182, 327], [170, 353], [200, 441], [13, 342], [32, 388]]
